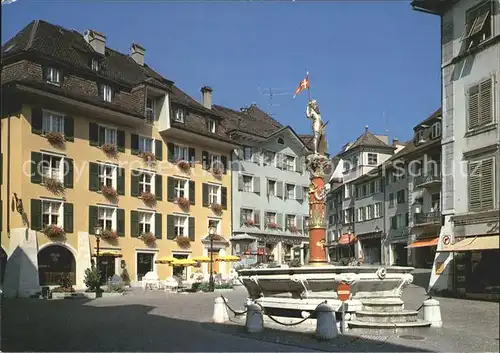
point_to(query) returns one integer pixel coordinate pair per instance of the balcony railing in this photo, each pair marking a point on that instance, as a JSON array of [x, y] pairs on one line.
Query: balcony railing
[[427, 179], [427, 218]]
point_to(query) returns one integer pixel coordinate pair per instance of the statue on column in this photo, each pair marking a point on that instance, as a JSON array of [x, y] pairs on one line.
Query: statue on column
[[318, 128]]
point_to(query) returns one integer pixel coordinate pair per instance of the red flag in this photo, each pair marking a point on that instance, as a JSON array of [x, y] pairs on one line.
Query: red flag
[[304, 84]]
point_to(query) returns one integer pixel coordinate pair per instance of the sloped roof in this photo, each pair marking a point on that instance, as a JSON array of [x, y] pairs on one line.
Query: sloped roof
[[437, 113]]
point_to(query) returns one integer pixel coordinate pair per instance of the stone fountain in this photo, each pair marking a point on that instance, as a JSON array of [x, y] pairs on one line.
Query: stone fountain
[[293, 293]]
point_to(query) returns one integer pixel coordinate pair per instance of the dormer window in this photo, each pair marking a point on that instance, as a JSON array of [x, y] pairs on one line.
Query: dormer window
[[106, 93], [179, 115], [419, 136], [281, 141], [94, 64], [436, 130], [211, 125], [150, 110], [52, 76]]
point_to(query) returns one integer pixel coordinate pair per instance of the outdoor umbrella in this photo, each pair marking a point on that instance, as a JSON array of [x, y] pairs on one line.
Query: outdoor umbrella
[[228, 258], [165, 260], [201, 259]]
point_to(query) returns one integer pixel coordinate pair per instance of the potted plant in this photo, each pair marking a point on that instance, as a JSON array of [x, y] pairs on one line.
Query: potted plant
[[217, 171], [54, 185], [183, 241], [293, 229], [149, 198], [65, 285], [55, 138], [148, 157], [109, 149], [272, 225], [183, 165], [148, 238], [53, 231], [216, 208], [109, 234], [109, 192], [183, 202], [249, 222]]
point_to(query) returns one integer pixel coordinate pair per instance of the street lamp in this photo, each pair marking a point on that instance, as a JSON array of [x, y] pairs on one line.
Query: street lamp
[[97, 232], [211, 234], [351, 249]]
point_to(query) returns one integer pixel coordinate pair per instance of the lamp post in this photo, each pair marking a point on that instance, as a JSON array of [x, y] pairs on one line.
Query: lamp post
[[97, 232], [351, 249], [211, 234]]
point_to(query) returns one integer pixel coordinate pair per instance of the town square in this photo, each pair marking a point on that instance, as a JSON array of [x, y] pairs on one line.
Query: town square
[[164, 190]]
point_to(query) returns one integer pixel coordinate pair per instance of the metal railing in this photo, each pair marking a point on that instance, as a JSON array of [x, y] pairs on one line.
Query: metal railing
[[427, 218], [427, 179]]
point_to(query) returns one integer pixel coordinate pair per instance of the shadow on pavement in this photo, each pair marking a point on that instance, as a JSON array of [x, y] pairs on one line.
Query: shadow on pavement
[[102, 325], [421, 278]]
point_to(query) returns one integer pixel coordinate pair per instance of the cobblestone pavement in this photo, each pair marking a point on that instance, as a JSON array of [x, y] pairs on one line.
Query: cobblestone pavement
[[157, 321]]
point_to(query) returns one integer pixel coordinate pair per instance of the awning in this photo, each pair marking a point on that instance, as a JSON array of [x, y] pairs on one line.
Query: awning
[[489, 242], [243, 236], [346, 239], [113, 253], [424, 243]]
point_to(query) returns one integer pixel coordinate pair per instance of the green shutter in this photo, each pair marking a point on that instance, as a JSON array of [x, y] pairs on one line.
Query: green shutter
[[205, 163], [192, 156], [93, 134], [158, 150], [192, 196], [134, 183], [205, 195], [134, 144], [191, 230], [120, 140], [170, 227], [36, 167], [120, 222], [101, 136], [69, 128], [93, 218], [170, 148], [134, 224], [158, 230], [223, 159], [159, 187], [68, 173], [223, 194], [36, 214], [170, 189], [68, 217], [36, 120], [93, 176], [120, 181]]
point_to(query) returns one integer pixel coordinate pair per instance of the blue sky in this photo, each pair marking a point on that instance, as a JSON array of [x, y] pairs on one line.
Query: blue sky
[[365, 59]]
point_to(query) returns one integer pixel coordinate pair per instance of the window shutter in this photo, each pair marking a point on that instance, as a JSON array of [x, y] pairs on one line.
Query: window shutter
[[170, 151], [158, 225], [298, 164], [102, 133], [256, 185], [299, 223], [69, 128], [93, 176], [474, 186], [279, 189], [279, 220], [299, 196], [256, 218], [158, 186], [36, 120], [93, 218], [93, 134], [394, 223], [134, 144], [158, 150], [134, 224], [192, 195], [279, 160], [120, 181], [36, 214], [487, 185], [486, 101], [191, 230], [120, 140], [120, 222], [223, 159], [68, 173], [223, 194], [204, 160], [134, 183], [205, 195], [192, 156], [170, 189], [240, 182], [255, 156], [36, 167], [473, 107], [170, 227]]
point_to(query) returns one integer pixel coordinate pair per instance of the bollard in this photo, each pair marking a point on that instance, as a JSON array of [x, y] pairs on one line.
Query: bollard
[[432, 312], [326, 324], [249, 301], [220, 311], [254, 320]]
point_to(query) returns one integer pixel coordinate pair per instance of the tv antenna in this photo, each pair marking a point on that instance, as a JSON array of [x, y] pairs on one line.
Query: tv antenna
[[386, 123], [271, 93]]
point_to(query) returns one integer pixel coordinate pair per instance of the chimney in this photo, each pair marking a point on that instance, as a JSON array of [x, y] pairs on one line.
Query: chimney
[[96, 40], [137, 53], [206, 97], [395, 142]]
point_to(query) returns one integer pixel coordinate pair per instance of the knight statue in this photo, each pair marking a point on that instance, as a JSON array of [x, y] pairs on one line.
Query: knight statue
[[318, 127]]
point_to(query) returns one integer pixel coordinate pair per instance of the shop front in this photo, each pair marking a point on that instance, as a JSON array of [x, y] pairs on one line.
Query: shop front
[[423, 251], [371, 248]]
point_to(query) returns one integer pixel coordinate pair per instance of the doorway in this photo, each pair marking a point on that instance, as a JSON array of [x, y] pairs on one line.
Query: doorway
[[106, 267], [145, 264], [56, 262]]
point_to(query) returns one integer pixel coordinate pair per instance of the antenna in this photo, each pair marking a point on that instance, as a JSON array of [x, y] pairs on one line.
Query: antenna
[[386, 123], [272, 92]]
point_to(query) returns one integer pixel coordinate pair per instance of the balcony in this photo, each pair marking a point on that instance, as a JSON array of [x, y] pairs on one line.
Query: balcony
[[427, 180], [429, 218]]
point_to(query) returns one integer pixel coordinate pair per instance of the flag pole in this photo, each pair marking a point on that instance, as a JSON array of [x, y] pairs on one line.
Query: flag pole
[[308, 86]]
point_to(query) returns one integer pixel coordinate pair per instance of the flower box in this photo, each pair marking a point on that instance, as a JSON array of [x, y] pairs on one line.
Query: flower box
[[183, 202], [184, 166], [109, 191], [249, 222], [55, 138], [148, 198], [217, 171], [109, 234], [216, 208], [272, 225], [54, 185], [53, 231], [148, 157], [293, 229], [183, 241], [109, 149], [148, 238]]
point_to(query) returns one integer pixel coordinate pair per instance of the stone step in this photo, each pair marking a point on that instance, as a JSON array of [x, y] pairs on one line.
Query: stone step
[[383, 305], [390, 327], [387, 317]]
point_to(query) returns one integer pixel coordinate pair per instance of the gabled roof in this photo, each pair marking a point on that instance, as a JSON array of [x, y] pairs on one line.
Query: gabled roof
[[367, 139], [180, 97], [432, 118]]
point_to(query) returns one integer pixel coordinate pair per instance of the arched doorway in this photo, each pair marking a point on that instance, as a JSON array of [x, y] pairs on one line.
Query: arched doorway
[[3, 263], [54, 263]]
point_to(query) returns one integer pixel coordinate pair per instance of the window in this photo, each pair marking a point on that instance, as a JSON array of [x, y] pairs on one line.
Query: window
[[106, 218], [270, 217], [391, 199], [106, 93], [107, 175], [215, 160], [214, 223], [305, 224], [181, 153], [435, 202], [291, 221], [480, 104], [271, 187], [52, 76], [150, 109], [346, 166], [109, 135], [247, 154], [481, 185], [146, 144], [180, 226], [269, 158], [51, 213], [94, 64], [52, 122], [52, 167], [246, 214], [179, 115], [211, 125], [477, 24], [420, 136], [289, 163], [180, 188], [281, 141], [290, 191], [214, 194], [146, 183], [145, 222], [436, 130], [369, 212], [361, 214], [372, 159], [401, 196], [377, 213], [247, 183]]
